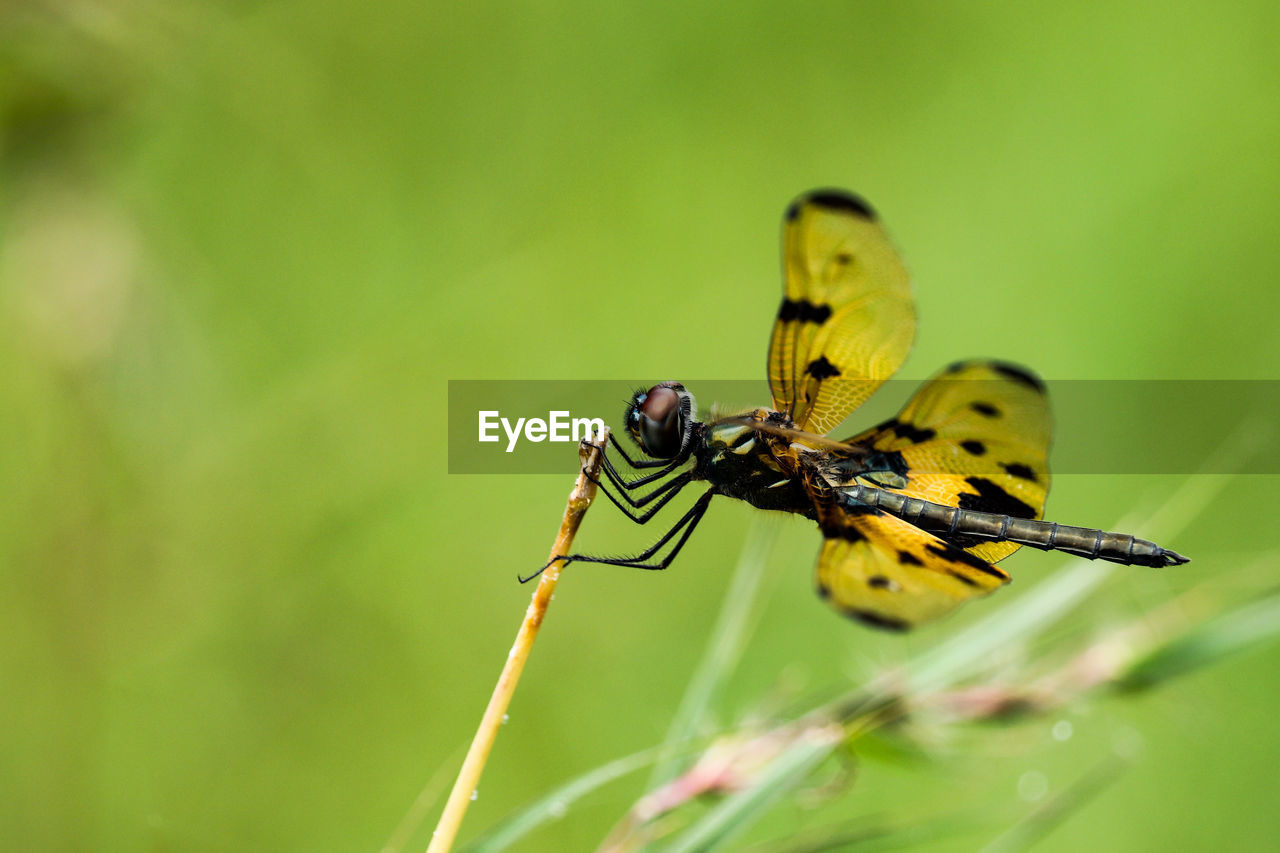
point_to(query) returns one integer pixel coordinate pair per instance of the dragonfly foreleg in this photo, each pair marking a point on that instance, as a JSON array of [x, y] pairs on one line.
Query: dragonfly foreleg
[[683, 527], [629, 485], [639, 463], [666, 491]]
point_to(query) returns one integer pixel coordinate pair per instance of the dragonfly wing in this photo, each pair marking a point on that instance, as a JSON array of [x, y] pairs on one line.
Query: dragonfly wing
[[975, 436], [883, 571], [847, 318]]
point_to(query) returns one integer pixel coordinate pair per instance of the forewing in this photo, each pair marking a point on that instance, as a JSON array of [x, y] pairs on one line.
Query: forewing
[[847, 318], [975, 436], [881, 570]]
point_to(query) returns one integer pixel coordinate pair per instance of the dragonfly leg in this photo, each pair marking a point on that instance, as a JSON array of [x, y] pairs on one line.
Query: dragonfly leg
[[666, 491], [683, 527], [623, 483], [635, 463], [623, 486]]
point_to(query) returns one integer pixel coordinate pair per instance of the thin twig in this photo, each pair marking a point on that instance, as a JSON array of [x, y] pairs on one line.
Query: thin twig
[[584, 490]]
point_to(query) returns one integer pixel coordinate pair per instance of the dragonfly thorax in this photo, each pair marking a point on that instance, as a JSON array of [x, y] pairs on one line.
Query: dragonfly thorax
[[744, 462]]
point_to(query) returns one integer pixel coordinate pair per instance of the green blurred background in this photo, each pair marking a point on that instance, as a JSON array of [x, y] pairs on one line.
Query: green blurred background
[[246, 245]]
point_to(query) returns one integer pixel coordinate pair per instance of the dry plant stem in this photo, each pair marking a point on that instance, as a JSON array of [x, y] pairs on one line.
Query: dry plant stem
[[584, 490]]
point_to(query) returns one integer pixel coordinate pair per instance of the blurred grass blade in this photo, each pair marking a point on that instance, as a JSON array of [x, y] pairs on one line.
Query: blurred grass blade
[[554, 805], [1232, 455], [1050, 814], [735, 813], [971, 649], [422, 804], [724, 645], [1227, 633], [867, 835]]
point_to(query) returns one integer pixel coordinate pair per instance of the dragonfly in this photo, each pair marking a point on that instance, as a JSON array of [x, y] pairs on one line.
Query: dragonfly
[[915, 512]]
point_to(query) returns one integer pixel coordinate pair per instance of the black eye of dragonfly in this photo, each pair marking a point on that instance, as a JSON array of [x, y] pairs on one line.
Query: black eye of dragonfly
[[656, 419]]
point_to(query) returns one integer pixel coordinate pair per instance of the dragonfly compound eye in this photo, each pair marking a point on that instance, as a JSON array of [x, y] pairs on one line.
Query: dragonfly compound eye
[[660, 427]]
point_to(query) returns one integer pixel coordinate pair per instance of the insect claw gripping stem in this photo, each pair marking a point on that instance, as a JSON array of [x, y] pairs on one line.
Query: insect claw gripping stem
[[527, 578]]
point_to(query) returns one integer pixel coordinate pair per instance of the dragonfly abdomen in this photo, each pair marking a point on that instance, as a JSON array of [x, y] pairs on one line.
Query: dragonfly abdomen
[[951, 523]]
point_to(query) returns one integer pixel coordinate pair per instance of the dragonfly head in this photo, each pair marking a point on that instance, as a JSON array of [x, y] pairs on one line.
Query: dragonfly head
[[660, 420]]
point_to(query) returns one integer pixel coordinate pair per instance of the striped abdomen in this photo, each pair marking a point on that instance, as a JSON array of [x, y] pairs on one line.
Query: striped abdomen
[[948, 522]]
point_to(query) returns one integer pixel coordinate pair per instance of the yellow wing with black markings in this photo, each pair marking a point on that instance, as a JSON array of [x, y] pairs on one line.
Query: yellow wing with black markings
[[882, 571], [976, 436], [847, 318]]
